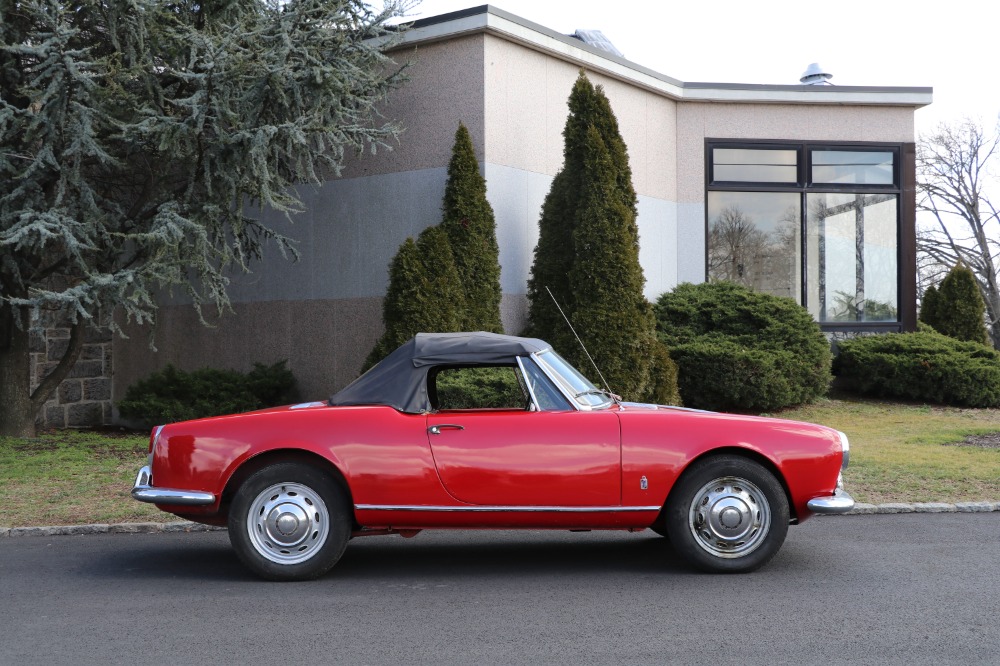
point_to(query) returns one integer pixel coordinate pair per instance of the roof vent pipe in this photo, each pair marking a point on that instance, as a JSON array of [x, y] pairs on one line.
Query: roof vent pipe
[[815, 76]]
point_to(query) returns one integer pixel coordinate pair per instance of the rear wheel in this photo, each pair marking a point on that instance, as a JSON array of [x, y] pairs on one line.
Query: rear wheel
[[727, 514], [289, 521]]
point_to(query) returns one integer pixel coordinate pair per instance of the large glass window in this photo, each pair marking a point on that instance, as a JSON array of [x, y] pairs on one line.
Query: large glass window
[[852, 255], [818, 223], [754, 240]]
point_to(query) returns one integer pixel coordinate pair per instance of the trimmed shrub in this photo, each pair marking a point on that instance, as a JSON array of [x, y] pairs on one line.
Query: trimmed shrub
[[664, 389], [740, 349], [424, 296], [957, 309], [449, 279], [174, 395], [923, 366], [479, 388]]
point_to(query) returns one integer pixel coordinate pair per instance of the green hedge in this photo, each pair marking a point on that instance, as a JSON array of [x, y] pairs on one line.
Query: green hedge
[[740, 349], [479, 388], [956, 307], [923, 366], [175, 395]]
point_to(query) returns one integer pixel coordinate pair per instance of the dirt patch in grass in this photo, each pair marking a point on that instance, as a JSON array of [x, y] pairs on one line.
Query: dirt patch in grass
[[990, 440]]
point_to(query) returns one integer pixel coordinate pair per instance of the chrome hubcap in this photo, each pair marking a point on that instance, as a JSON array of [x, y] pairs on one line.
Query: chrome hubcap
[[729, 517], [288, 523]]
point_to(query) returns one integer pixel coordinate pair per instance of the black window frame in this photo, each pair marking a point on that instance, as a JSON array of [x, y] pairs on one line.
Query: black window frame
[[903, 187]]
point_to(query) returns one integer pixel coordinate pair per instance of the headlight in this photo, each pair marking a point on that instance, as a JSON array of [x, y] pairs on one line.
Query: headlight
[[845, 446]]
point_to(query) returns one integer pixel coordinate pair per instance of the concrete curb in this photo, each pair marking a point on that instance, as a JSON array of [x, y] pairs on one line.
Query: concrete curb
[[117, 528], [925, 507], [186, 526]]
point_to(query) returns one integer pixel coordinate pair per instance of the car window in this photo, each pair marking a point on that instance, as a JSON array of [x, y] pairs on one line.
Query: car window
[[495, 387], [547, 396], [573, 383]]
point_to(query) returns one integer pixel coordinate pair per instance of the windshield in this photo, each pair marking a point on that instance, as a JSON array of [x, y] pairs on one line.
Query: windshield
[[572, 382]]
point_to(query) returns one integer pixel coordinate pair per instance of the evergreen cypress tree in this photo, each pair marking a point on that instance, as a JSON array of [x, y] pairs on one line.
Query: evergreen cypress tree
[[588, 256], [610, 312], [552, 263], [424, 294], [959, 312], [471, 229], [554, 254], [929, 307]]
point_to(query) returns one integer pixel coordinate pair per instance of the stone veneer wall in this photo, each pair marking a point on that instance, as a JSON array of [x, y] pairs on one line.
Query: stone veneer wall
[[84, 397]]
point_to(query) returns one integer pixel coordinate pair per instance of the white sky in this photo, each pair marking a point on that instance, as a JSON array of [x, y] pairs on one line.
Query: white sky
[[948, 46]]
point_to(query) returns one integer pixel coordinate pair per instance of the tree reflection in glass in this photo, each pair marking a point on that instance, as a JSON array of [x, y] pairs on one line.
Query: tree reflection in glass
[[851, 256], [753, 240]]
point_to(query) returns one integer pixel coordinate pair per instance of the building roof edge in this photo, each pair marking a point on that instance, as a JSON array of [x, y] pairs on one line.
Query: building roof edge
[[493, 20]]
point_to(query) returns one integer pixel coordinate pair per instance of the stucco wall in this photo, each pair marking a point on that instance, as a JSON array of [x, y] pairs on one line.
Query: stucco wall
[[525, 112], [699, 121], [526, 107], [445, 87]]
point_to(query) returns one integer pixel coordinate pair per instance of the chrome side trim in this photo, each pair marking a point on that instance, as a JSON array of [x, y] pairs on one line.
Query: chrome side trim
[[143, 491], [504, 509], [845, 447], [839, 502]]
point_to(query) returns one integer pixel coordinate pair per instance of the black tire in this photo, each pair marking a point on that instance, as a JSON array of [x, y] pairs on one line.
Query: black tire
[[289, 521], [727, 514]]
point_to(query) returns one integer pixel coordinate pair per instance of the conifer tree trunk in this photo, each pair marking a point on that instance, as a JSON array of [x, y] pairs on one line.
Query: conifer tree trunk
[[17, 419]]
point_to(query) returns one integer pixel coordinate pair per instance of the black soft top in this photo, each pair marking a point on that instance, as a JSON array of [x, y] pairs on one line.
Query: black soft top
[[400, 380]]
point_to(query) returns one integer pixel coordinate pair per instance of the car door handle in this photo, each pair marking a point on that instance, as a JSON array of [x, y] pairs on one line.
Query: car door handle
[[436, 429]]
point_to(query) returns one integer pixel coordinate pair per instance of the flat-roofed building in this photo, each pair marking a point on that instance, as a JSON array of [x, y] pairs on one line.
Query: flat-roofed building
[[804, 191]]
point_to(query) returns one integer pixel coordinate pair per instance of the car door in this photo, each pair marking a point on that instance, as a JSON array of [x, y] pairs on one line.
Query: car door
[[522, 456]]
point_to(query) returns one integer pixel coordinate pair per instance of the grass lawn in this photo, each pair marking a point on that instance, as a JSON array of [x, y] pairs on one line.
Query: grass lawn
[[69, 477], [907, 453], [899, 453]]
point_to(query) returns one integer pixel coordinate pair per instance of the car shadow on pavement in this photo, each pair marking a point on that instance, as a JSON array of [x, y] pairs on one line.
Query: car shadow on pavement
[[192, 557], [478, 554], [501, 554], [209, 557]]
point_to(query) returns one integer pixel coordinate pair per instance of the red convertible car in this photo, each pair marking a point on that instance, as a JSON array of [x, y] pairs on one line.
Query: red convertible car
[[479, 430]]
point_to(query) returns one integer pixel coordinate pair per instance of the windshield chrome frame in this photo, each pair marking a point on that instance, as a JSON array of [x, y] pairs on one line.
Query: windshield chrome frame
[[550, 373], [536, 406]]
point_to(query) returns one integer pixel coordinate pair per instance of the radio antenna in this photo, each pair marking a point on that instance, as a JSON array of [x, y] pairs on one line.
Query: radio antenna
[[582, 346]]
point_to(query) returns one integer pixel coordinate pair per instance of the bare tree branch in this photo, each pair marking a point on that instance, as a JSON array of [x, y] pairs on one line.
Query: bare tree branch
[[953, 177]]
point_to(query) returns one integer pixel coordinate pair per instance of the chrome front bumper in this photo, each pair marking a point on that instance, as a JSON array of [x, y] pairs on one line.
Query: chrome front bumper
[[839, 502], [144, 491]]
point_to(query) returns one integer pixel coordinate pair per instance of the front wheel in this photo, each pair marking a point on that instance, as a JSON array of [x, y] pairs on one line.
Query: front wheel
[[289, 521], [727, 514]]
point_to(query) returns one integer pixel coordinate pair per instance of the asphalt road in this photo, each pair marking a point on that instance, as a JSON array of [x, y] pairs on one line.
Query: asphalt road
[[906, 589]]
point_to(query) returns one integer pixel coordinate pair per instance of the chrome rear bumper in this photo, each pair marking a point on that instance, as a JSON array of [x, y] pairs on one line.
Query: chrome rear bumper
[[144, 491]]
